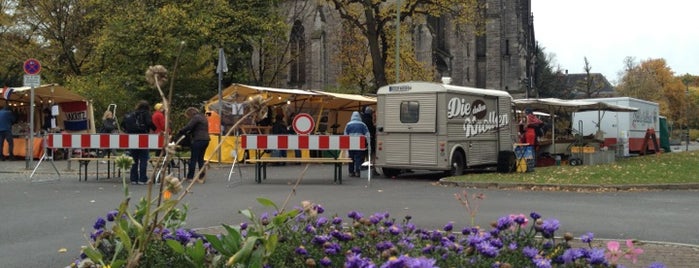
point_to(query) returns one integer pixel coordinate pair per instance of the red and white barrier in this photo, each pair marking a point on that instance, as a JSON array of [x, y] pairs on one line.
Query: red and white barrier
[[296, 142], [105, 141]]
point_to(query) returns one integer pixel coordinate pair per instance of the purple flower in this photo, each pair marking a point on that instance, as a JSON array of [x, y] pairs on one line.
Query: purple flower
[[530, 252], [587, 238], [596, 256], [503, 223], [535, 215], [549, 227], [486, 249], [512, 246], [320, 239], [326, 262], [183, 236], [94, 235], [337, 220], [496, 243], [520, 219], [319, 208], [542, 263], [243, 225], [354, 215], [571, 255], [406, 261], [264, 218], [301, 251], [332, 248], [394, 230], [310, 229], [656, 265], [449, 226], [383, 245], [99, 223], [466, 231], [321, 221], [356, 261], [111, 215]]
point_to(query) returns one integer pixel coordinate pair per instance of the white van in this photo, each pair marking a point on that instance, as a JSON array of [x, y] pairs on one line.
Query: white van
[[432, 126]]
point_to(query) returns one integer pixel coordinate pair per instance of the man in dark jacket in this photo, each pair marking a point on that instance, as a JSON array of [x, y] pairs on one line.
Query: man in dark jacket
[[140, 157], [7, 119], [198, 127]]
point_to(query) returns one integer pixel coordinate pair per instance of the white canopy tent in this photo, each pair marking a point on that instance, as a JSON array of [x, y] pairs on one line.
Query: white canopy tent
[[551, 105]]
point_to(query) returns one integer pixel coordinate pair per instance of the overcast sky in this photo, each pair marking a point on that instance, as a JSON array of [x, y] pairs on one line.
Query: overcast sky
[[608, 31]]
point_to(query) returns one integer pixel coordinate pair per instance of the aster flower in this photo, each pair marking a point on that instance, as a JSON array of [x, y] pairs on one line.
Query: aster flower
[[596, 256], [549, 227], [183, 236], [301, 251], [587, 238], [486, 249], [354, 260], [99, 223], [535, 215], [540, 262], [326, 262], [111, 215], [530, 252], [503, 223], [449, 226], [337, 220]]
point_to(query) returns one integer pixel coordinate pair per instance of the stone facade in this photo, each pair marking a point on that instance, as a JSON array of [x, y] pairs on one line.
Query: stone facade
[[501, 58]]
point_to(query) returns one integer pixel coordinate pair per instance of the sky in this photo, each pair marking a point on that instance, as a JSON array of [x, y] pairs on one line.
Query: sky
[[608, 31]]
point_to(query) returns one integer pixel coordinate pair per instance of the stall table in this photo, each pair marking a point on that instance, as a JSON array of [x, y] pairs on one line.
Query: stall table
[[20, 148]]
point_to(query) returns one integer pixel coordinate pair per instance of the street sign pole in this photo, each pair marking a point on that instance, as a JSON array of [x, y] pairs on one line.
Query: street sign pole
[[32, 68]]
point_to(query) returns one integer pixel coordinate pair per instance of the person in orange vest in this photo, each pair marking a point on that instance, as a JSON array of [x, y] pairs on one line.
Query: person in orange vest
[[214, 122]]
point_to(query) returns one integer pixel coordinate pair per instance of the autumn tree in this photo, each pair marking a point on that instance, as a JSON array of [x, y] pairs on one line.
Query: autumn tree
[[591, 85], [653, 80], [375, 20]]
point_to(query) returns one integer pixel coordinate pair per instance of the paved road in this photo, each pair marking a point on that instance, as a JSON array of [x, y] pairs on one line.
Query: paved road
[[39, 218]]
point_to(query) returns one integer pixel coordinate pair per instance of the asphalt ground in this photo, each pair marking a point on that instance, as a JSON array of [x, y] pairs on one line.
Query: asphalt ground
[[45, 219]]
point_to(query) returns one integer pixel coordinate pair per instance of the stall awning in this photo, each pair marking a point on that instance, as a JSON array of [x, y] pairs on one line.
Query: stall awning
[[549, 104], [45, 93]]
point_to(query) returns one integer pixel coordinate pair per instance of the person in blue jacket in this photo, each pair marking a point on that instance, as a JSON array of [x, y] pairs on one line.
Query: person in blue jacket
[[355, 127], [7, 119]]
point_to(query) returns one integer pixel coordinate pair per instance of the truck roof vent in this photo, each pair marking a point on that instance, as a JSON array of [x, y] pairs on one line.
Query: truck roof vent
[[446, 80]]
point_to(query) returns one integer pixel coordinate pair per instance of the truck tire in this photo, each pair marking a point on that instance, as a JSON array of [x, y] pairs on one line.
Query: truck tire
[[457, 164], [390, 172], [507, 161]]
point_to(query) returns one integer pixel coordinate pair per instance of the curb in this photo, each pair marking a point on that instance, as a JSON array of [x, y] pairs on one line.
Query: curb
[[569, 187]]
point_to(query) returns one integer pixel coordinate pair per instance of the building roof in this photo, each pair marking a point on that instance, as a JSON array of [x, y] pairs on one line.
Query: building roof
[[576, 85]]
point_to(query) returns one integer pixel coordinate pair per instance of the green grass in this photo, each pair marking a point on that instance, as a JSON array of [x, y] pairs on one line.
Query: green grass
[[668, 168]]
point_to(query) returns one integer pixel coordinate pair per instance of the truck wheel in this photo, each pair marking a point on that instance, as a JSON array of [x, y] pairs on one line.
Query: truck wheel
[[457, 164], [390, 172], [507, 161]]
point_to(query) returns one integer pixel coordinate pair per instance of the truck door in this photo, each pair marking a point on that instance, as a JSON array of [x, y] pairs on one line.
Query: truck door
[[410, 126]]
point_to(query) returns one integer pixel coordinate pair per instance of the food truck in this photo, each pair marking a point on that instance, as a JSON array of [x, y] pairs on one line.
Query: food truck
[[625, 130], [433, 126]]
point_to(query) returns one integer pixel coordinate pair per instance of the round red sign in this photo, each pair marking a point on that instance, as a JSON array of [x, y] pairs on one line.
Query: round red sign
[[32, 66], [303, 124]]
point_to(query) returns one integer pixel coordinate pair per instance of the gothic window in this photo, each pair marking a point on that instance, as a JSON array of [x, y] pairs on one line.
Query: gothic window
[[297, 68]]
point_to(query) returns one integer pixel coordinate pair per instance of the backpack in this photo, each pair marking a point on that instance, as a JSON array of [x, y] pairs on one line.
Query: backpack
[[133, 123]]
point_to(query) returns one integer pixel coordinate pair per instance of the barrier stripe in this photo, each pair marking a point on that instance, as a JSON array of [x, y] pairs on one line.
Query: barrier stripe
[[312, 142], [105, 141]]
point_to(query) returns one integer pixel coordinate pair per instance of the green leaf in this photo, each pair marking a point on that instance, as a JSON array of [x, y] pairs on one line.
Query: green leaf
[[118, 263], [123, 236], [117, 250], [174, 245], [243, 254], [217, 244], [198, 253], [93, 254], [257, 258], [247, 213], [267, 202], [271, 244]]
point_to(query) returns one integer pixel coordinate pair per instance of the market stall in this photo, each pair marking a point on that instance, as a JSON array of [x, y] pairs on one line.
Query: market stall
[[554, 105], [330, 112], [56, 109]]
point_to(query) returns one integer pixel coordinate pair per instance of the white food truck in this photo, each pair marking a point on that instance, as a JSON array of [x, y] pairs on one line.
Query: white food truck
[[624, 129], [432, 126]]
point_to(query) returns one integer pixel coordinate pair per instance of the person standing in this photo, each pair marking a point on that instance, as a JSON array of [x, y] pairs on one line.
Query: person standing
[[279, 128], [158, 118], [108, 123], [531, 123], [198, 127], [7, 119], [143, 125], [355, 127]]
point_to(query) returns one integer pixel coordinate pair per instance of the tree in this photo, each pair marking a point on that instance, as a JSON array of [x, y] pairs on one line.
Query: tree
[[375, 21], [549, 80], [591, 86], [653, 80]]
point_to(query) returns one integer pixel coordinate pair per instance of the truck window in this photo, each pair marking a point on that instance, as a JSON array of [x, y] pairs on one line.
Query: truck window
[[409, 111]]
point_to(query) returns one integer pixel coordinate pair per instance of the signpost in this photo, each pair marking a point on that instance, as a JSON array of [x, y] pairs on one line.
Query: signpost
[[32, 68]]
